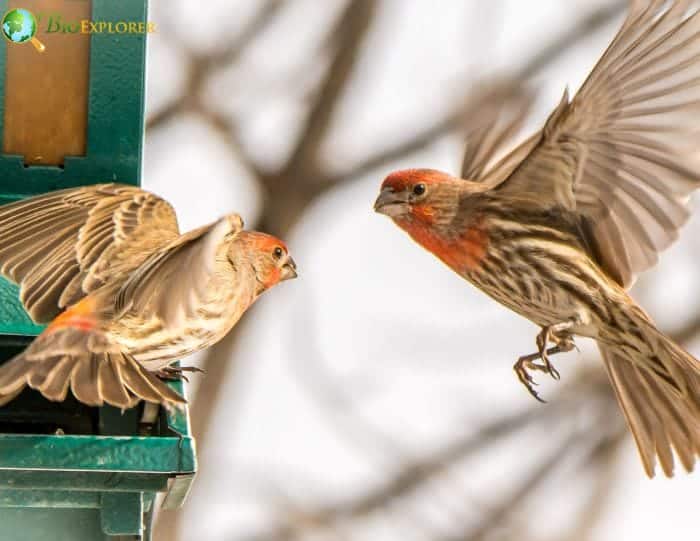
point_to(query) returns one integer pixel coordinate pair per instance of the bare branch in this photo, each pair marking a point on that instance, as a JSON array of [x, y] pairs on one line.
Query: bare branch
[[602, 464], [348, 35], [590, 390], [536, 477], [231, 53], [200, 67]]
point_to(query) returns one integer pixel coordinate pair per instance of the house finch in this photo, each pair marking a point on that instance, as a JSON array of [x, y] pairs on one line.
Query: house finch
[[123, 292], [557, 229]]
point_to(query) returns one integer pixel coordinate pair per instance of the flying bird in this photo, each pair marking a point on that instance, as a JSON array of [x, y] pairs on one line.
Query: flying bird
[[558, 229], [124, 294]]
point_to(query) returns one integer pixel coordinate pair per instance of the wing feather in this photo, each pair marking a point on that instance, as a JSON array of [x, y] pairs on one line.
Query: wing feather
[[158, 286], [492, 128], [622, 155], [62, 245]]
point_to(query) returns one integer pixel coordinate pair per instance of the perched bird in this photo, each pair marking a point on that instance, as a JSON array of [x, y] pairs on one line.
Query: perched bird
[[123, 292], [558, 229]]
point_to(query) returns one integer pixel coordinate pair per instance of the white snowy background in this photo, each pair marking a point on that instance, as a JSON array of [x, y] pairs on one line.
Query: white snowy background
[[377, 356]]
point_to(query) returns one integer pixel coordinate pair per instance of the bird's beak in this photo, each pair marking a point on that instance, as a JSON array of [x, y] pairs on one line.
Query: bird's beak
[[289, 270], [391, 203]]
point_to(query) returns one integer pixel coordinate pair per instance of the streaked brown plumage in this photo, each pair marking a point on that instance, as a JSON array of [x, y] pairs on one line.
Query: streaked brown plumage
[[123, 292], [559, 228]]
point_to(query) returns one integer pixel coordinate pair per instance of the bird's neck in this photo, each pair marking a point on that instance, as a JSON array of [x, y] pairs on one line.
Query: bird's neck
[[462, 250]]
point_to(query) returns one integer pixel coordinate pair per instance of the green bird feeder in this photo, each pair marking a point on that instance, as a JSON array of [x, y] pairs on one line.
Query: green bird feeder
[[72, 113]]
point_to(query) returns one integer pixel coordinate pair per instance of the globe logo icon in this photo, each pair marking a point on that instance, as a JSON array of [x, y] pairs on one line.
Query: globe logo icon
[[19, 26]]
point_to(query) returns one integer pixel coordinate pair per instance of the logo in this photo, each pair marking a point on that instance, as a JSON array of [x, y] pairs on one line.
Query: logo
[[19, 26], [55, 23]]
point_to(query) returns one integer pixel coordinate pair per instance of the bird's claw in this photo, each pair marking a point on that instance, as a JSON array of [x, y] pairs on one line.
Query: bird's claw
[[563, 343], [549, 369], [521, 368], [527, 363], [173, 373], [193, 369], [541, 340]]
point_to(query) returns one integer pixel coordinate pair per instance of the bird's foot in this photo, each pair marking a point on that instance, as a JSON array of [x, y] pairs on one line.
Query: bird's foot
[[170, 373], [527, 363], [559, 335], [543, 353], [174, 373], [193, 369]]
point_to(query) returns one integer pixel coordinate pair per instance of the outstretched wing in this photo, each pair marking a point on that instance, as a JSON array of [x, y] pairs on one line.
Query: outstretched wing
[[173, 282], [623, 155], [492, 128], [60, 246]]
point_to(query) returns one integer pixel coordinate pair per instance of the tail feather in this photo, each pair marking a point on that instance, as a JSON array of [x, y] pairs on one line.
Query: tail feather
[[144, 384], [109, 385], [51, 378], [663, 413], [84, 363], [84, 380]]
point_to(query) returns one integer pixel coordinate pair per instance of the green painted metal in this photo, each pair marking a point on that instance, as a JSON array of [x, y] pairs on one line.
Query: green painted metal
[[51, 499], [106, 453], [85, 481], [50, 524], [122, 513], [13, 318], [67, 471]]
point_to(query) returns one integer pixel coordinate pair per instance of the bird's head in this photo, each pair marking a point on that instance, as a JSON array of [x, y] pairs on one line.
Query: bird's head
[[428, 205], [268, 256], [419, 197]]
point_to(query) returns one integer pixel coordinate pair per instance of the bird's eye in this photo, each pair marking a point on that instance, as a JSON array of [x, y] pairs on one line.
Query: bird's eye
[[277, 253], [419, 189]]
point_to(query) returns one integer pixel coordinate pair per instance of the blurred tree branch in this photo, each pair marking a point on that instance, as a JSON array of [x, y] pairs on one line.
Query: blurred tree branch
[[599, 434], [200, 67], [346, 40], [602, 437], [352, 26]]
